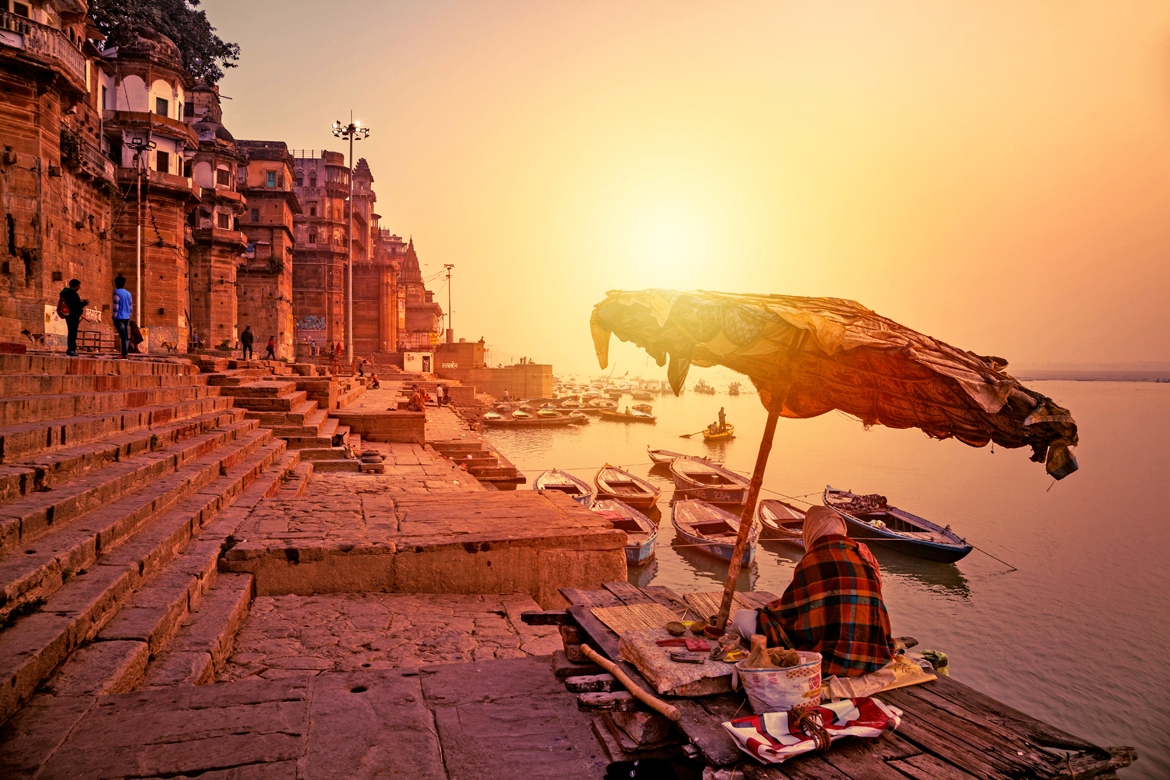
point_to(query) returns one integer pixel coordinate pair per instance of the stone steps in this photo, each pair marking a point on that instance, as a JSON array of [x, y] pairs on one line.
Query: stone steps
[[48, 470], [33, 438], [41, 363], [295, 416], [24, 385], [341, 464], [35, 570], [347, 396], [159, 554], [281, 403], [21, 409], [260, 389]]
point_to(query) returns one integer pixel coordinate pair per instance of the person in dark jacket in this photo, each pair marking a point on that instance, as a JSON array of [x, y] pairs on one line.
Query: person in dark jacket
[[246, 339], [73, 318]]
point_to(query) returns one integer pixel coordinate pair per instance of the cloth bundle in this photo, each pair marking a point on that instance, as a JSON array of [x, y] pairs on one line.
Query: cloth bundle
[[770, 738]]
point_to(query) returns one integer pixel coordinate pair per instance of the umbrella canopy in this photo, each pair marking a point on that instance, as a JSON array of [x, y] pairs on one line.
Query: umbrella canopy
[[808, 356]]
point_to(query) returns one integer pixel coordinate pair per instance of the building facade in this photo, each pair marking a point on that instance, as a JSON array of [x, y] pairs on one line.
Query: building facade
[[421, 314], [58, 191], [321, 184], [264, 281]]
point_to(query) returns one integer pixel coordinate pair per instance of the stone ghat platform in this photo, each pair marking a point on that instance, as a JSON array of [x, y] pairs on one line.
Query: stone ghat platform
[[390, 533]]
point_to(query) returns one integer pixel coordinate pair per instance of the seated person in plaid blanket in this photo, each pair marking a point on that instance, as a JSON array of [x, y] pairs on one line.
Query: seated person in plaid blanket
[[833, 606]]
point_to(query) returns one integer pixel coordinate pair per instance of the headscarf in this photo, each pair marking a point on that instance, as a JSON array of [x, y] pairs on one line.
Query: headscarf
[[821, 521]]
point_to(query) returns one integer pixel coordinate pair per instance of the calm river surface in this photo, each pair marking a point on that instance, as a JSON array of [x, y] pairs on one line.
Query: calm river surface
[[1077, 636]]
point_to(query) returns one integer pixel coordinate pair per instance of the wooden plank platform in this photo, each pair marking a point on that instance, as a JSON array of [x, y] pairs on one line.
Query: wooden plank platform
[[949, 731]]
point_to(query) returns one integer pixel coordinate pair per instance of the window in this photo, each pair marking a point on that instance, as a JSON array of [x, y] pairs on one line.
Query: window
[[300, 179], [20, 9], [161, 106], [255, 215], [312, 208], [313, 179], [104, 104], [271, 182], [187, 169], [225, 221], [188, 110], [313, 237], [162, 162], [223, 176]]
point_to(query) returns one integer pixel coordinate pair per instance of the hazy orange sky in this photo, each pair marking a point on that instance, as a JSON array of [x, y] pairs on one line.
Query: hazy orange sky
[[995, 174]]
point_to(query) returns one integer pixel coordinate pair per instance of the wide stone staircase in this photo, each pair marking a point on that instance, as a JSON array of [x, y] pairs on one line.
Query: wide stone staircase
[[120, 483]]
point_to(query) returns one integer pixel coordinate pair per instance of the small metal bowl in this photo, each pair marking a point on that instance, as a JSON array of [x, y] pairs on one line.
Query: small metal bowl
[[674, 628]]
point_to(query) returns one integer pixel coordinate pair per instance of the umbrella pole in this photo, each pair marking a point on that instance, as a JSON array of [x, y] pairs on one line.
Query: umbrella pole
[[745, 521]]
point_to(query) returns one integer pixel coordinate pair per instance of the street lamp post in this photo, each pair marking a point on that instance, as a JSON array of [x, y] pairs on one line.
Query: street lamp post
[[450, 332], [353, 131]]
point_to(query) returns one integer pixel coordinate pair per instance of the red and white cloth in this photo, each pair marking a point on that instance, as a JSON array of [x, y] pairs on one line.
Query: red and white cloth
[[770, 739]]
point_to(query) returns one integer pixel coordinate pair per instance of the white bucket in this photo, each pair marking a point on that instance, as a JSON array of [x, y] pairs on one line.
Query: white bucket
[[779, 690]]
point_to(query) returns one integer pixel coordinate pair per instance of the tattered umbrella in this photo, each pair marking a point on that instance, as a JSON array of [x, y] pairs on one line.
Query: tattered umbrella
[[808, 356]]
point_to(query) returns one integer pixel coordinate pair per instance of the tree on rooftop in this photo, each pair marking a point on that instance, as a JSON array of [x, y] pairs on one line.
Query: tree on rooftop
[[205, 54]]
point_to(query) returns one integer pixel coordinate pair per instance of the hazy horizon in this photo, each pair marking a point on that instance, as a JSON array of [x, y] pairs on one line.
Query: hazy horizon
[[996, 175]]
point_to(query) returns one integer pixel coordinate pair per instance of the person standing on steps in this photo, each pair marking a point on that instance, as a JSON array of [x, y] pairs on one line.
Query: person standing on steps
[[246, 339], [74, 307], [271, 349], [123, 310]]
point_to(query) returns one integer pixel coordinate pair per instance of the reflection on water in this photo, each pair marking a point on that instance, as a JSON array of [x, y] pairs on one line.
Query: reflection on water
[[1078, 593], [643, 574], [708, 567]]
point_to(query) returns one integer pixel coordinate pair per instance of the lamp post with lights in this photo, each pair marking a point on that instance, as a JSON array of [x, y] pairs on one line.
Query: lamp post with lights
[[450, 333], [354, 132]]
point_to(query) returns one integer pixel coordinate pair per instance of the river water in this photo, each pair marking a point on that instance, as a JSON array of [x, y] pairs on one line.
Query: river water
[[1076, 635]]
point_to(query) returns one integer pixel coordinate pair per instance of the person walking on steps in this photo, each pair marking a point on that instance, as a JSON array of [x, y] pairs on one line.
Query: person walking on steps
[[271, 349], [70, 308], [123, 310], [246, 339]]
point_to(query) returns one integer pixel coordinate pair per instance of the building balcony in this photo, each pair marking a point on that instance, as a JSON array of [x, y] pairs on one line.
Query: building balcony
[[175, 186], [221, 237], [44, 46], [155, 123]]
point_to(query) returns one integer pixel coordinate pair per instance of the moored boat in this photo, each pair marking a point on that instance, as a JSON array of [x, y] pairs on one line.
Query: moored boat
[[870, 518], [711, 530], [702, 479], [555, 479], [619, 484], [634, 415], [640, 531], [666, 457], [520, 419], [782, 521], [712, 433]]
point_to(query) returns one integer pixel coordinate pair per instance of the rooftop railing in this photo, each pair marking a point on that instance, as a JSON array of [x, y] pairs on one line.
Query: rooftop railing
[[44, 41]]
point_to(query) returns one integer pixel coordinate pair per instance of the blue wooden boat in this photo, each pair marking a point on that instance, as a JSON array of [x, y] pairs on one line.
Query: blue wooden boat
[[711, 530], [641, 533], [555, 479], [781, 521], [871, 519], [705, 481]]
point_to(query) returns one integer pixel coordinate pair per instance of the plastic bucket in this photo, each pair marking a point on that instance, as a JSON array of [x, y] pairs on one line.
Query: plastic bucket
[[779, 690]]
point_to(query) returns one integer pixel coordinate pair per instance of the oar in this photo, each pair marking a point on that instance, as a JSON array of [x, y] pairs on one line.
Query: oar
[[689, 435]]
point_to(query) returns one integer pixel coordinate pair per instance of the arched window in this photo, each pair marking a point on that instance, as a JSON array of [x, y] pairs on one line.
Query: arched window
[[313, 179], [300, 179], [313, 237]]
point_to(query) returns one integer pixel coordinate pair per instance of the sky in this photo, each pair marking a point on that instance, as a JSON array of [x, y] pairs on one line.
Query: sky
[[995, 174]]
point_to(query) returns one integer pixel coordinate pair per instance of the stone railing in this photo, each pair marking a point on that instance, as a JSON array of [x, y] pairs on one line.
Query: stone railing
[[46, 42], [96, 164]]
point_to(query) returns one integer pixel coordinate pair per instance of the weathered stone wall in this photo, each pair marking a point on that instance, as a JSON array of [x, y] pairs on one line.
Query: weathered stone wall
[[532, 380]]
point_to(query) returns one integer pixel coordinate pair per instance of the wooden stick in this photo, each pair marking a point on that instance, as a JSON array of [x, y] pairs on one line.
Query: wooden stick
[[745, 521], [654, 703]]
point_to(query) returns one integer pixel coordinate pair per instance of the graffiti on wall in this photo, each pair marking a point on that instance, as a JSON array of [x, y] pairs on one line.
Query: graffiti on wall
[[311, 322]]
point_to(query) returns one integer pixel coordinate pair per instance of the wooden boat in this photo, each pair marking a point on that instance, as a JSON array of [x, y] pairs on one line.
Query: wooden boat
[[520, 419], [548, 413], [555, 479], [613, 482], [711, 530], [642, 395], [579, 418], [702, 387], [733, 388], [871, 519], [702, 479], [640, 531], [782, 521], [728, 432], [634, 416], [666, 457]]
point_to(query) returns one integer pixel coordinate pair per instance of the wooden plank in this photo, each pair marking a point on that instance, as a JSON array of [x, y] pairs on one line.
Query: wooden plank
[[622, 701], [869, 758], [1009, 752], [924, 766], [758, 598], [707, 733], [590, 598], [592, 683], [996, 711], [599, 634], [628, 593], [931, 739], [547, 617], [666, 597]]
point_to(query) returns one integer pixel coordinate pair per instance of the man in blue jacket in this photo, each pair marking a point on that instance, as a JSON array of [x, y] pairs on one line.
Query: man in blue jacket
[[123, 310]]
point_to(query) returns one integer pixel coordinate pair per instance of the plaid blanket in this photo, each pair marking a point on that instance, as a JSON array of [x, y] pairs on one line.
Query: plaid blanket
[[771, 737], [833, 607]]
